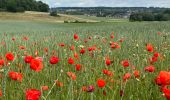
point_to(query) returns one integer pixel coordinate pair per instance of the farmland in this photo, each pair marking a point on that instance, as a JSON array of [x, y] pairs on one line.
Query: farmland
[[93, 61]]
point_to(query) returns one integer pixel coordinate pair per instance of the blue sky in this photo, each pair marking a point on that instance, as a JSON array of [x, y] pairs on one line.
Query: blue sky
[[108, 3]]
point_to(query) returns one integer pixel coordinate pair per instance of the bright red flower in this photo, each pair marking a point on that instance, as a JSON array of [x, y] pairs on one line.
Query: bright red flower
[[107, 72], [156, 54], [125, 63], [72, 47], [54, 60], [33, 94], [0, 93], [82, 51], [126, 76], [163, 78], [101, 83], [166, 92], [76, 37], [70, 61], [136, 73], [78, 67], [149, 68], [2, 62], [28, 59], [9, 56], [36, 65], [149, 48], [15, 76], [112, 36], [108, 62]]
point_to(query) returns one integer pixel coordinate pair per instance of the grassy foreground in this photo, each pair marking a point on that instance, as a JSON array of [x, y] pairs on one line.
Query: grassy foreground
[[44, 39]]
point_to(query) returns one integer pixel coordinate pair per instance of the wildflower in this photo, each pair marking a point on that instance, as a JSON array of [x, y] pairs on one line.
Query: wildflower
[[36, 65], [101, 83], [9, 56], [54, 60], [33, 94]]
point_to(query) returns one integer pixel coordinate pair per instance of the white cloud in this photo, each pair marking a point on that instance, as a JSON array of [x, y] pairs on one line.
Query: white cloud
[[109, 3]]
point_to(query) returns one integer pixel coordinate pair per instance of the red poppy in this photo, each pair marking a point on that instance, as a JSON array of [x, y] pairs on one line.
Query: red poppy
[[163, 78], [149, 47], [72, 47], [2, 62], [9, 56], [54, 60], [15, 76], [156, 54], [82, 51], [28, 59], [36, 65], [108, 62], [136, 74], [76, 55], [107, 72], [76, 37], [33, 94], [101, 83], [166, 92], [126, 76], [125, 63], [149, 68], [44, 88], [78, 67], [70, 61], [112, 36], [71, 75]]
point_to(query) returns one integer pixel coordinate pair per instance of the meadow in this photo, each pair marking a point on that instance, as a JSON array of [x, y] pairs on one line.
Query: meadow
[[84, 61]]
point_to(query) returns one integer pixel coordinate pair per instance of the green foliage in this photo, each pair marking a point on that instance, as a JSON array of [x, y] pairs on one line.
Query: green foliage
[[54, 13], [23, 5], [145, 16]]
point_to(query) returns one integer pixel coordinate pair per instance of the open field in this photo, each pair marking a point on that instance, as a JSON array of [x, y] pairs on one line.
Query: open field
[[97, 61]]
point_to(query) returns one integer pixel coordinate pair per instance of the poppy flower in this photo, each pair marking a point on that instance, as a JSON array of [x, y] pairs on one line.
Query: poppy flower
[[2, 62], [101, 83], [76, 37], [76, 55], [36, 65], [112, 36], [78, 67], [136, 74], [44, 88], [59, 84], [149, 48], [54, 60], [163, 78], [125, 63], [156, 54], [71, 75], [28, 59], [33, 94], [149, 68], [82, 51], [15, 76], [166, 92], [107, 72], [126, 76], [70, 61], [0, 93], [9, 56], [72, 47], [108, 62]]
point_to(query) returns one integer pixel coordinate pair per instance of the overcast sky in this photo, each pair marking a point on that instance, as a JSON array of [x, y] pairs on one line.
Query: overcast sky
[[108, 3]]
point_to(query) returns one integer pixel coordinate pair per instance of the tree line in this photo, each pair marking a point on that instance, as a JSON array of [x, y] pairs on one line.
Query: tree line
[[23, 5], [150, 16]]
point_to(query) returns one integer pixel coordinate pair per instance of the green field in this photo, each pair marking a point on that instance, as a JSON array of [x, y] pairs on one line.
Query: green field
[[41, 34]]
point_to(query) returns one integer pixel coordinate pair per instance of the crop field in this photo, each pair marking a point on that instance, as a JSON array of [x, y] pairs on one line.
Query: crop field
[[84, 61]]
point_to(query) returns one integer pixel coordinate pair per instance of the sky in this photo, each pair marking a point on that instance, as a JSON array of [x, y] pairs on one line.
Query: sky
[[108, 3]]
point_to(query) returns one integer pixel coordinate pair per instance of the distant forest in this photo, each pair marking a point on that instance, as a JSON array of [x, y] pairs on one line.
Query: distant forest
[[133, 13], [23, 5]]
